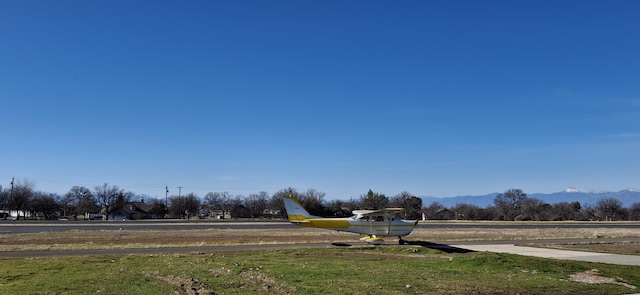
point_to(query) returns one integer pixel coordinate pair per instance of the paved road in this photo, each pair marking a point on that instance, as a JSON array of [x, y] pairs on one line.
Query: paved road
[[557, 254]]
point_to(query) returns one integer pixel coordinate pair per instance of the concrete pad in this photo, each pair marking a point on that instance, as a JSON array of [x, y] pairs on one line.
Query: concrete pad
[[556, 254]]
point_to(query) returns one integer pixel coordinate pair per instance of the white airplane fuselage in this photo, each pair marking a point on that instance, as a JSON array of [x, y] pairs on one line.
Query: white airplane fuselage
[[384, 228]]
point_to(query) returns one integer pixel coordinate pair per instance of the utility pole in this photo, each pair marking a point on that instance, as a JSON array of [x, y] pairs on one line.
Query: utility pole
[[166, 195], [11, 198], [179, 191], [11, 193]]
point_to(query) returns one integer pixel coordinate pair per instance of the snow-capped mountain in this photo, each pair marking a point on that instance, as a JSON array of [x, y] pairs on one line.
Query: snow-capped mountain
[[577, 190], [571, 194]]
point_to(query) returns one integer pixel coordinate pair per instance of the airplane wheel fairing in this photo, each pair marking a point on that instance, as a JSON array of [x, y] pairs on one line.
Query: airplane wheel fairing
[[374, 241]]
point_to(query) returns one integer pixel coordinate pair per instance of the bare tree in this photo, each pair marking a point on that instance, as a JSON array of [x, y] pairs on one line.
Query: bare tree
[[437, 211], [491, 212], [218, 201], [510, 203], [313, 201], [535, 209], [411, 204], [257, 203], [565, 211], [589, 212], [610, 209], [338, 208], [44, 205], [239, 208], [467, 212], [374, 201], [276, 202], [634, 211], [192, 205], [110, 198], [158, 209], [20, 195], [184, 206], [4, 198], [72, 200], [87, 205]]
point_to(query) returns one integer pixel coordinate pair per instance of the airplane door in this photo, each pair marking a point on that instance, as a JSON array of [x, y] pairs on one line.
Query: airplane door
[[388, 218], [366, 225]]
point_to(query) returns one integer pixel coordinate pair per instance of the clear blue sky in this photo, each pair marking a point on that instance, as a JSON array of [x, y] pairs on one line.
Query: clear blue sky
[[437, 98]]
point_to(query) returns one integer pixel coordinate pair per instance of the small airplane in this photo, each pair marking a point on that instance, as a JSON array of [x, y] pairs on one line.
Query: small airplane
[[370, 223]]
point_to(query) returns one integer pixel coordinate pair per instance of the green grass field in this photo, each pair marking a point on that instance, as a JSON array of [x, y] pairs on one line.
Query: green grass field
[[367, 270]]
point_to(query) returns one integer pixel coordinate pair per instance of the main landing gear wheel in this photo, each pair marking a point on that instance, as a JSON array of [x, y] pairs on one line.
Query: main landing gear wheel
[[401, 241]]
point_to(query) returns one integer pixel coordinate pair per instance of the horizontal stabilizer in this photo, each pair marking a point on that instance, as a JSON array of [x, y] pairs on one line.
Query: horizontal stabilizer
[[300, 221]]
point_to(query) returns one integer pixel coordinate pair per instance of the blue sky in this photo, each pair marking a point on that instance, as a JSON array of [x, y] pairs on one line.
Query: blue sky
[[437, 98]]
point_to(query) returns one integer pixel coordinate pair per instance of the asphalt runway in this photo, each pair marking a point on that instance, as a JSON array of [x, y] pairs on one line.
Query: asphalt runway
[[21, 226]]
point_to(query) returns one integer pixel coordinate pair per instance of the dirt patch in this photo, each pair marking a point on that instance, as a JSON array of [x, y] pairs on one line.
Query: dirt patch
[[265, 282], [188, 286], [251, 279], [593, 277]]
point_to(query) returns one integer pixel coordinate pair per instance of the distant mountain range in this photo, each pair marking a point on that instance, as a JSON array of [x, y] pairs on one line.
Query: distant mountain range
[[627, 197]]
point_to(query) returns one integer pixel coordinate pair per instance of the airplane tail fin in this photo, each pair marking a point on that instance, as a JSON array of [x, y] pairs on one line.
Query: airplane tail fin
[[295, 211]]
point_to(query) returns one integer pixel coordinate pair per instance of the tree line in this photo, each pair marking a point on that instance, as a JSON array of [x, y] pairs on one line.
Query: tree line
[[111, 201], [515, 205]]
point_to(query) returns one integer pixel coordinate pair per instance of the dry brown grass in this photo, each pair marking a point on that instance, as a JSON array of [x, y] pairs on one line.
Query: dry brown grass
[[104, 239]]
